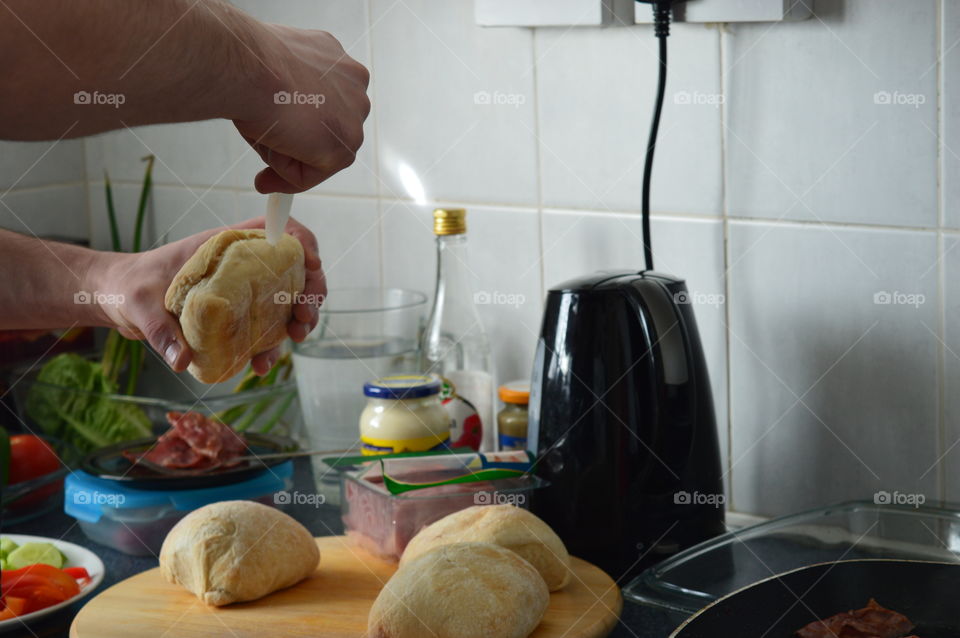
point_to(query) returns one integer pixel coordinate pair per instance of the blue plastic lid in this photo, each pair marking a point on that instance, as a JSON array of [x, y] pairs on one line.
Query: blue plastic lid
[[86, 496], [403, 386]]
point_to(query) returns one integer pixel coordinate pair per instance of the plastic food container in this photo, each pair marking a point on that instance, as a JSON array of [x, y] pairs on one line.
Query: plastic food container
[[383, 523], [136, 521], [694, 578]]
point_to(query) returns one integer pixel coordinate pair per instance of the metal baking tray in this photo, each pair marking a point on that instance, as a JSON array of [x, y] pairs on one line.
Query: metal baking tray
[[696, 577]]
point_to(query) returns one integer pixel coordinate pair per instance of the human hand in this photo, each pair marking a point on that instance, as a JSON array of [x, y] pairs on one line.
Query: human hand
[[142, 280], [317, 127]]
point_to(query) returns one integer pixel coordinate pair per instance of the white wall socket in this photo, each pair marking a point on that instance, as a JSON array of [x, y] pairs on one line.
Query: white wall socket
[[565, 13], [553, 13], [735, 11]]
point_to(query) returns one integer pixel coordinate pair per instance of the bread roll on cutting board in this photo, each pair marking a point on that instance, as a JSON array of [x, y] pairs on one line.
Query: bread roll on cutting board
[[509, 527], [234, 551], [234, 298], [463, 590]]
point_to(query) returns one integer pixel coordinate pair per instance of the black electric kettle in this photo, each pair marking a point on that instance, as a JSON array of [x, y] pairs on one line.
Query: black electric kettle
[[622, 421]]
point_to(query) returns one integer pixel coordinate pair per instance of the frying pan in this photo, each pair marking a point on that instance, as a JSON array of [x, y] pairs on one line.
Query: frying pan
[[927, 593], [109, 463]]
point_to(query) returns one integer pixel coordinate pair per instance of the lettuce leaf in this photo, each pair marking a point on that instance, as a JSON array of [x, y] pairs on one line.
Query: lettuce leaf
[[69, 403]]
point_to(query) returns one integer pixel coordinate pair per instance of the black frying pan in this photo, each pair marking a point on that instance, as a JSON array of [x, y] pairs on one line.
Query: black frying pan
[[109, 463], [927, 593]]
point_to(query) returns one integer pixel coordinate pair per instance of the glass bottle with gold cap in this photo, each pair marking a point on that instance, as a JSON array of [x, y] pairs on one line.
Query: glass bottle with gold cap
[[455, 344]]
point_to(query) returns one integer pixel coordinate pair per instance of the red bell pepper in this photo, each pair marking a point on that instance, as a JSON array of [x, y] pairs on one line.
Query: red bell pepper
[[39, 575], [37, 587], [12, 607], [79, 573]]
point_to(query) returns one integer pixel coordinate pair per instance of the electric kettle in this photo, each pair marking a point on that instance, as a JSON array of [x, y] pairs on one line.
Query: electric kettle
[[622, 421]]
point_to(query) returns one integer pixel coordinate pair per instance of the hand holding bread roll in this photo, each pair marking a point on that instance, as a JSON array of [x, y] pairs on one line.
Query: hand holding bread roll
[[234, 551], [234, 297]]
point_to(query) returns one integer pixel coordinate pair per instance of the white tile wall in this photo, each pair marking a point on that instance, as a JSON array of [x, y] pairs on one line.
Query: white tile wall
[[595, 92], [951, 361], [503, 249], [54, 211], [809, 132], [783, 181], [834, 392], [42, 189], [31, 164], [436, 72], [950, 115]]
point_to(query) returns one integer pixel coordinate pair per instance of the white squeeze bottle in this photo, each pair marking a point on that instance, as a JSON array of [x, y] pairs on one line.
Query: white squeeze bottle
[[455, 345]]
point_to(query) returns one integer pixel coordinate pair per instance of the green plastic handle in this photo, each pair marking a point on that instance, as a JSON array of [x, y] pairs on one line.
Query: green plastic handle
[[399, 487]]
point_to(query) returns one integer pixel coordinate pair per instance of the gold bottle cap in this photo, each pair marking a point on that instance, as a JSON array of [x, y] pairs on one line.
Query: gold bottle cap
[[449, 221]]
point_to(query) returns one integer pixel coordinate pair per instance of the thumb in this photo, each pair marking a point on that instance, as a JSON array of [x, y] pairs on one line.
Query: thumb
[[162, 332]]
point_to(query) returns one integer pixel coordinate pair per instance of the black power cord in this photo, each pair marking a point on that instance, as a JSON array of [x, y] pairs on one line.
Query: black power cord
[[661, 23]]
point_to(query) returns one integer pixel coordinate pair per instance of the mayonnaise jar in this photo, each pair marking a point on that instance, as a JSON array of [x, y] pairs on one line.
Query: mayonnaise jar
[[403, 414]]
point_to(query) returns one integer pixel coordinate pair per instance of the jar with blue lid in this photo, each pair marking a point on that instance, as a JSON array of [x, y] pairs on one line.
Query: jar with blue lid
[[403, 414]]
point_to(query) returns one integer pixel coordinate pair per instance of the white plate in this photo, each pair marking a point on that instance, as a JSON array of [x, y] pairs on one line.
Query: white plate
[[76, 557]]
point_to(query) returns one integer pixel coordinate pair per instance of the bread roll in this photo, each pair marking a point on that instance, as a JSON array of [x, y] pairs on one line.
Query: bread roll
[[237, 550], [463, 590], [510, 527], [234, 298]]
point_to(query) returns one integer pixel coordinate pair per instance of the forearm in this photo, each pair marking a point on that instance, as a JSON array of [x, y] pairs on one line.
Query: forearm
[[144, 61], [50, 284]]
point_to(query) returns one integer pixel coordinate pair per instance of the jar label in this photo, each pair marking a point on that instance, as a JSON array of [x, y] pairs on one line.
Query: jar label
[[513, 442], [371, 447]]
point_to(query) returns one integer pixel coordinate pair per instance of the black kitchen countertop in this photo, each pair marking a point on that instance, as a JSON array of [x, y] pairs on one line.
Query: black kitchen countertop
[[636, 621]]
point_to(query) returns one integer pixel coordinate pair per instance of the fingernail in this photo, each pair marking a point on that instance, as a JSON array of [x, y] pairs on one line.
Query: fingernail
[[172, 353]]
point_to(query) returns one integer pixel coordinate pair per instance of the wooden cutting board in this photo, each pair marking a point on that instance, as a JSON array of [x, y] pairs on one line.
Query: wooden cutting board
[[333, 603]]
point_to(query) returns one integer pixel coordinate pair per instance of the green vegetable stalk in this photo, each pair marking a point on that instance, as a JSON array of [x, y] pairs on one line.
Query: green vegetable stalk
[[68, 401]]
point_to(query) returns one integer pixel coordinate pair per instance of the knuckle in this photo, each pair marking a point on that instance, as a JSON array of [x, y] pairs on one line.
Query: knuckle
[[347, 157], [364, 75], [155, 331]]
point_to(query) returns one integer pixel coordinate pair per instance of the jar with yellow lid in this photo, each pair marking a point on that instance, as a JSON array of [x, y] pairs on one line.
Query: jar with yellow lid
[[512, 419], [403, 414]]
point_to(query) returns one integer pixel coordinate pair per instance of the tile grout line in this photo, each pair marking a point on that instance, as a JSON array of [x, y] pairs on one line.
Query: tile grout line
[[941, 269], [375, 124], [665, 216], [724, 211], [47, 186], [539, 168]]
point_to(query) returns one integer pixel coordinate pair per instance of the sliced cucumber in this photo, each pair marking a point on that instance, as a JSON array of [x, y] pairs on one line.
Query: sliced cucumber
[[34, 553]]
